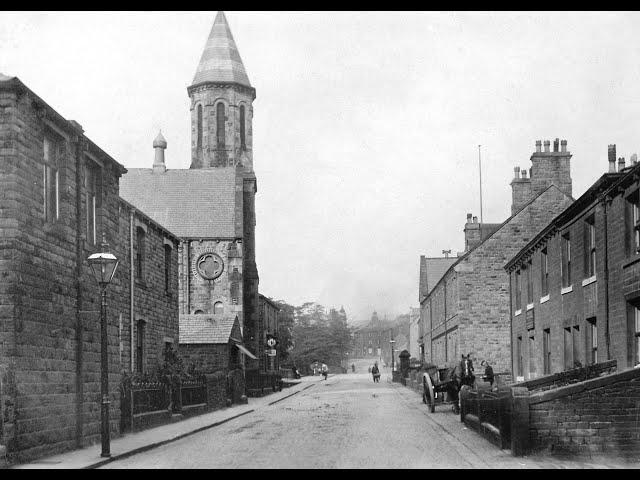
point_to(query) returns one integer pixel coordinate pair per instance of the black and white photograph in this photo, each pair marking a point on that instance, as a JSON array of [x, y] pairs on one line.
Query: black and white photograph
[[257, 240]]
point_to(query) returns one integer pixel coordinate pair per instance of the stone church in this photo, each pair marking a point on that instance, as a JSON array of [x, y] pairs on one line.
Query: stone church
[[211, 205]]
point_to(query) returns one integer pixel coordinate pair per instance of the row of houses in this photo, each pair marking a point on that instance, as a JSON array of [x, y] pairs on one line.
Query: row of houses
[[551, 299], [550, 288], [184, 297]]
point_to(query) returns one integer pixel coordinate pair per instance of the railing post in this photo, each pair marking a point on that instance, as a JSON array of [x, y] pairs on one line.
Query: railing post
[[519, 421]]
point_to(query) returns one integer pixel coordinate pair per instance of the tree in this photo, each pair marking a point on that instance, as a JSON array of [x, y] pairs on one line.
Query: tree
[[319, 337], [286, 321]]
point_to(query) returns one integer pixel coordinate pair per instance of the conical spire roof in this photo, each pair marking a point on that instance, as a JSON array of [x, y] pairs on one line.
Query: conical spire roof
[[220, 61]]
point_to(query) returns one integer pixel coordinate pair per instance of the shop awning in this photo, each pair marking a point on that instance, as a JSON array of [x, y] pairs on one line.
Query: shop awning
[[245, 351]]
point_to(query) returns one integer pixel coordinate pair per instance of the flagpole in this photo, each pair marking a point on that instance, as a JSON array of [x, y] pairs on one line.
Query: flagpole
[[480, 165]]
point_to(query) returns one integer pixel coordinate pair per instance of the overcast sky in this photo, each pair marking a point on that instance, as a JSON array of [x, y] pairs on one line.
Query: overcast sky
[[366, 125]]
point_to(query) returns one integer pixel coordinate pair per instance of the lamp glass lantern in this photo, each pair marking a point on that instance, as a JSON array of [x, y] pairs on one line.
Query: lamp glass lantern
[[103, 265]]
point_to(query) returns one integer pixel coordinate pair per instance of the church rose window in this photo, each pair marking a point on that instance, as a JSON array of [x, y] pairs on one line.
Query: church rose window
[[210, 266]]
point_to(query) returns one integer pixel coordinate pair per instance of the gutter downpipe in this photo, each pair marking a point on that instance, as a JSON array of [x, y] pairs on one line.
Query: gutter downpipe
[[446, 352], [511, 324], [606, 279], [131, 288]]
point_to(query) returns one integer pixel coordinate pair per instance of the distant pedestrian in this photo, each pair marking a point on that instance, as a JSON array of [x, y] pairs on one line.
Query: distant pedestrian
[[353, 368], [325, 371], [375, 371]]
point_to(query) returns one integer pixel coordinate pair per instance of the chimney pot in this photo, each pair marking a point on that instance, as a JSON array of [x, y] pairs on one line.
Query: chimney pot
[[475, 219], [516, 172], [563, 146], [634, 159], [556, 144], [547, 144], [469, 217], [524, 173], [538, 146], [620, 164]]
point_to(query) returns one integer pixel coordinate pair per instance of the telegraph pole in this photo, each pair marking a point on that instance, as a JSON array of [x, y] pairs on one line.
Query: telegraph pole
[[480, 165]]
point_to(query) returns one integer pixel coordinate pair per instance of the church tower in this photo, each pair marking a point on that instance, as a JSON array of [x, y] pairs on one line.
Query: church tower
[[221, 137], [221, 104]]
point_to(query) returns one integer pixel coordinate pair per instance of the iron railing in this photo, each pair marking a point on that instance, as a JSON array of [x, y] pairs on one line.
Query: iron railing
[[193, 392]]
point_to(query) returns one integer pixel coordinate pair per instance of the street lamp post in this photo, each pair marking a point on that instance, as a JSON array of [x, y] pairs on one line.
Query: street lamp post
[[104, 266], [392, 363]]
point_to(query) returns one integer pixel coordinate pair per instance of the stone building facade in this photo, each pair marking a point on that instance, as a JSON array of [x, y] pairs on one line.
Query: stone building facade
[[467, 311], [575, 287], [59, 197], [211, 205]]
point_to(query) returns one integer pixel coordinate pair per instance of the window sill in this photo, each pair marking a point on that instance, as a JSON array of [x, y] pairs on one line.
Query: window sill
[[588, 281], [566, 290], [544, 299], [530, 307], [631, 260], [518, 312]]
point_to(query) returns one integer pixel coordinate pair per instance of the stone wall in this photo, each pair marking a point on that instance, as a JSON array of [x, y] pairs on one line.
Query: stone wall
[[206, 358], [599, 416]]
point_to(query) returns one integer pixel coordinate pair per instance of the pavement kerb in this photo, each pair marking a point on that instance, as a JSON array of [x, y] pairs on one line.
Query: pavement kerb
[[291, 394], [150, 446]]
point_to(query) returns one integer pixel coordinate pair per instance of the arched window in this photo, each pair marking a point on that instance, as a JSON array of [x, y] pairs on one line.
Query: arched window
[[243, 145], [199, 126], [198, 312], [220, 124], [217, 308]]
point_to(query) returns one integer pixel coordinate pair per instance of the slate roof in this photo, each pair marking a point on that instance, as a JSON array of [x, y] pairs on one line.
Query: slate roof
[[206, 328], [220, 61], [431, 271], [191, 203]]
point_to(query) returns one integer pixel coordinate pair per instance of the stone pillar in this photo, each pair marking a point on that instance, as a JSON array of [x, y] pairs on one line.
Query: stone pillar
[[519, 421]]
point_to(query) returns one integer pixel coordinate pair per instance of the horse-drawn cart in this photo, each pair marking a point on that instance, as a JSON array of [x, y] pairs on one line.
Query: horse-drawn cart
[[442, 385], [437, 383]]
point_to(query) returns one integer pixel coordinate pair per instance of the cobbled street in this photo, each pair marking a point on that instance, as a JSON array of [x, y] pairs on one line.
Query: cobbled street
[[345, 422]]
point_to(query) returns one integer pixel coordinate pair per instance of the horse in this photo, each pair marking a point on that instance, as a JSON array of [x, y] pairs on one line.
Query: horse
[[462, 376]]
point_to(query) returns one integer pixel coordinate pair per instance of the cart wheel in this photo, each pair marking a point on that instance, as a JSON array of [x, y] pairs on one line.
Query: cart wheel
[[428, 395]]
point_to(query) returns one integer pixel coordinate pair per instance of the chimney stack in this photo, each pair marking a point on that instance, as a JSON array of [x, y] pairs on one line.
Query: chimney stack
[[471, 232], [159, 145], [612, 158], [620, 164], [547, 144], [538, 146]]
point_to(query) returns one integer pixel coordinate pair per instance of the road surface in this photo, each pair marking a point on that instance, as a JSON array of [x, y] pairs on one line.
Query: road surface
[[346, 421]]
